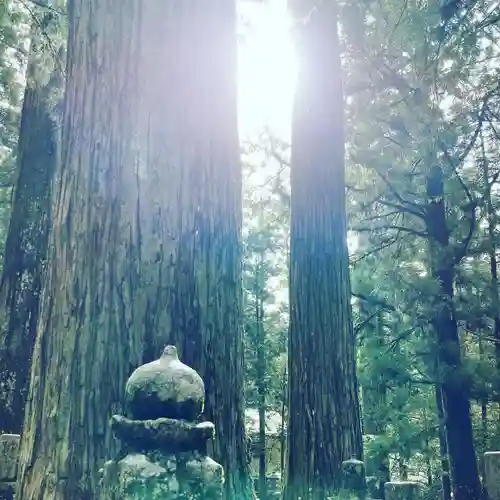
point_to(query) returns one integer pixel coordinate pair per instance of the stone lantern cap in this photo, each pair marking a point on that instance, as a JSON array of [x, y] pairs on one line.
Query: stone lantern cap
[[165, 388]]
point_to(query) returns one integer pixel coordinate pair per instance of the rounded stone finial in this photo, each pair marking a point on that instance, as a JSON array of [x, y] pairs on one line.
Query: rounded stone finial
[[165, 388], [170, 351]]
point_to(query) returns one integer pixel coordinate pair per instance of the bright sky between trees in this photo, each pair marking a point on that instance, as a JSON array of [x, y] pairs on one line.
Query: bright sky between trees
[[267, 68]]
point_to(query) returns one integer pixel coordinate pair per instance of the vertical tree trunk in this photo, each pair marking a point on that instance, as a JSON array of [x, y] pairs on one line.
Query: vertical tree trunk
[[456, 406], [375, 396], [83, 336], [484, 417], [205, 311], [324, 420], [491, 219], [26, 245], [284, 380], [146, 235], [443, 445], [261, 374]]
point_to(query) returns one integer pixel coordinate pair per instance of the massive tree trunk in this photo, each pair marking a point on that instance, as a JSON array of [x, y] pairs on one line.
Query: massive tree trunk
[[205, 313], [456, 406], [324, 419], [146, 235], [26, 245]]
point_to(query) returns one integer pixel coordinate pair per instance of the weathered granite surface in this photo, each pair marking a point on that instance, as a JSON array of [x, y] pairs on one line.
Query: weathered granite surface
[[373, 487], [165, 387], [158, 476], [165, 434], [402, 490], [492, 474]]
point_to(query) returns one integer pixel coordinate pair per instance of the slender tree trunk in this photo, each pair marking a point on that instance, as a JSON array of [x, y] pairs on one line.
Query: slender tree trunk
[[26, 245], [261, 379], [283, 428], [456, 406], [443, 445], [145, 246], [324, 420], [491, 219], [403, 467], [428, 463], [484, 418], [375, 396]]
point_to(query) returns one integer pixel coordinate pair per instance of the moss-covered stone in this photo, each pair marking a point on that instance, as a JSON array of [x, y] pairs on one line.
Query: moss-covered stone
[[165, 434], [154, 476], [163, 458], [492, 474], [402, 490], [353, 478], [9, 456], [166, 388], [373, 487]]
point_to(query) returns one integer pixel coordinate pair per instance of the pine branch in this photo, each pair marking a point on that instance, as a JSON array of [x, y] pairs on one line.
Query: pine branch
[[464, 247], [415, 232], [411, 207], [382, 246], [374, 301], [403, 209], [48, 7]]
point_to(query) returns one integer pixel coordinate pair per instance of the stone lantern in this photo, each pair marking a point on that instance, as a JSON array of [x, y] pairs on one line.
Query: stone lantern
[[165, 450]]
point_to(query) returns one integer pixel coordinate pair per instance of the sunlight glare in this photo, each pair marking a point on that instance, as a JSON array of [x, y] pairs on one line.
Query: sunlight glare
[[267, 69]]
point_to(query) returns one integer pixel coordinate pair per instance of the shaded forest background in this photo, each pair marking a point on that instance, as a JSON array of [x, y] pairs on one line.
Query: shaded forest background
[[422, 101]]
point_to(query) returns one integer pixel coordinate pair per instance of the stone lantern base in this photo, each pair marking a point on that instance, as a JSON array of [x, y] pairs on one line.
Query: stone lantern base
[[157, 476]]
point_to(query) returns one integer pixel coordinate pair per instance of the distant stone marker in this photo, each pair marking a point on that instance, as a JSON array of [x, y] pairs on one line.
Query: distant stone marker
[[492, 474], [402, 490], [9, 458], [353, 478]]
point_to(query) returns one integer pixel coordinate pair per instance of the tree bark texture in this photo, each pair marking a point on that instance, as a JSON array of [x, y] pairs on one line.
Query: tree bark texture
[[145, 247], [443, 444], [455, 400], [26, 245], [324, 417]]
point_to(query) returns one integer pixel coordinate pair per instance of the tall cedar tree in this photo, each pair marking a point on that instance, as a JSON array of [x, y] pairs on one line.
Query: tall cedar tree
[[27, 237], [206, 310], [455, 400], [145, 247], [324, 416]]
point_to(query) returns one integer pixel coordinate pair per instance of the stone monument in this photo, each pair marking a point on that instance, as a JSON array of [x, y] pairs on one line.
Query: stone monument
[[9, 457], [492, 474], [164, 449], [353, 479], [402, 490]]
